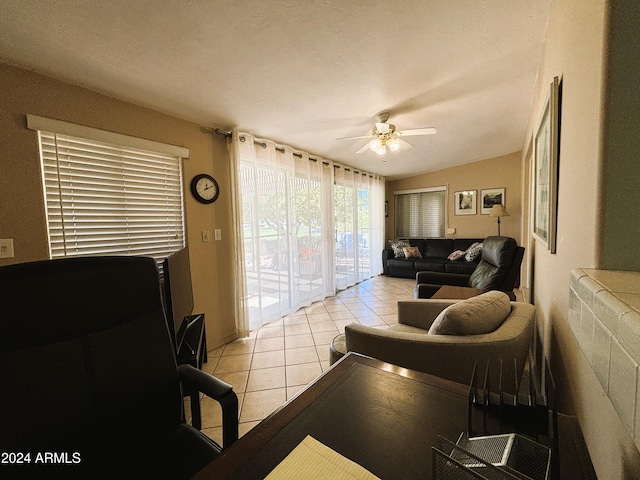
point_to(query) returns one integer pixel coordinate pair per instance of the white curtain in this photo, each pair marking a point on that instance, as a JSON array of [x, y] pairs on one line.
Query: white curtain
[[239, 279], [358, 198], [286, 217]]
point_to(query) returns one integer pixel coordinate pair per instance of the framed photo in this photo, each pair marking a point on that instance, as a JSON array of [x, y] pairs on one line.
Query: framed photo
[[545, 175], [465, 202], [490, 197]]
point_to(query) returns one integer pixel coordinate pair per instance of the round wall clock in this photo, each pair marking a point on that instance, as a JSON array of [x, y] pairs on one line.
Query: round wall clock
[[204, 188]]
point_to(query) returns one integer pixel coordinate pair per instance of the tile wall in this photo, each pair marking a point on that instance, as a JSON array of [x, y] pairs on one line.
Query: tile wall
[[604, 314]]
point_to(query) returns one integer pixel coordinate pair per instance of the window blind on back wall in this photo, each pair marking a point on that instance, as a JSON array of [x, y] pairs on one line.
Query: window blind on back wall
[[108, 199], [420, 213]]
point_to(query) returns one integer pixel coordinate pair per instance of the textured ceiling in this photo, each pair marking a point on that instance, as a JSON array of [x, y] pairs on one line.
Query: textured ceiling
[[303, 73]]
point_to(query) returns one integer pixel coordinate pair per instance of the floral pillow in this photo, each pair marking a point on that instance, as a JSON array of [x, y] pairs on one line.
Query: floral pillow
[[412, 252], [473, 252], [397, 247], [457, 255]]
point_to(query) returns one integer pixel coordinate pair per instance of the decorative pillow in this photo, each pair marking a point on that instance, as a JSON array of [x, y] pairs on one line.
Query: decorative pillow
[[412, 252], [397, 247], [457, 255], [474, 316], [473, 251]]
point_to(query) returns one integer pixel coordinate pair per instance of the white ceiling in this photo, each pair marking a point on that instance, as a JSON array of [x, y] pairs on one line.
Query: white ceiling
[[303, 73]]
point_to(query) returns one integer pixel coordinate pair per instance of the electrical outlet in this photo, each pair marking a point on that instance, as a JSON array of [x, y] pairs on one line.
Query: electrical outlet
[[6, 247], [206, 236]]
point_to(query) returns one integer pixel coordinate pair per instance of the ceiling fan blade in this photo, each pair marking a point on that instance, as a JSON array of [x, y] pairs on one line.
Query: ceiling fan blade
[[404, 145], [418, 131], [354, 138], [365, 148]]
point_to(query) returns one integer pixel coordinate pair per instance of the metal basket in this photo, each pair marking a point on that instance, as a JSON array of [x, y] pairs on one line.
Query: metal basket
[[512, 453]]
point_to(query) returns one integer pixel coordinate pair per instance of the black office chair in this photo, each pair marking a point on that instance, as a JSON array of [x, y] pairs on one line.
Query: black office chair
[[89, 374]]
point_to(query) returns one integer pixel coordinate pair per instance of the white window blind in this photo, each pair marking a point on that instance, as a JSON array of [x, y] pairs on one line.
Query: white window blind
[[420, 214], [108, 199]]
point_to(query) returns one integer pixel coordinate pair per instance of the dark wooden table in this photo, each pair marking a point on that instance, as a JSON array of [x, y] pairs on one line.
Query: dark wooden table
[[381, 416], [453, 292]]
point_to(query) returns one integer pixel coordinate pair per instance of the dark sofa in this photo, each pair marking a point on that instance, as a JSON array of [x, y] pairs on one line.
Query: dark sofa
[[498, 269], [434, 253]]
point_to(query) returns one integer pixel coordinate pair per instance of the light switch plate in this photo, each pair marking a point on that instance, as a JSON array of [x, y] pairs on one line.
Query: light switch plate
[[217, 234], [6, 247]]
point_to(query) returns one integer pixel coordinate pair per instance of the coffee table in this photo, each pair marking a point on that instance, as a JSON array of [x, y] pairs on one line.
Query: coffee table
[[453, 292]]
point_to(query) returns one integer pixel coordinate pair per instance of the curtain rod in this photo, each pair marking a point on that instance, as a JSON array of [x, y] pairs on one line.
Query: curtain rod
[[219, 131]]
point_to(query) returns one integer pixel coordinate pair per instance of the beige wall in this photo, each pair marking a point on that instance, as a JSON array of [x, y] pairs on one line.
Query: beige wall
[[22, 214], [576, 50], [620, 211], [496, 172]]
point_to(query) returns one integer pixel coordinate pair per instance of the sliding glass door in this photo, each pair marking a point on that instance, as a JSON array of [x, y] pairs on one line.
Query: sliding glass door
[[307, 228]]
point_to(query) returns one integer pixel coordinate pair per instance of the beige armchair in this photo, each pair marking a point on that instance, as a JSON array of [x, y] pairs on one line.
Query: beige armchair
[[408, 344]]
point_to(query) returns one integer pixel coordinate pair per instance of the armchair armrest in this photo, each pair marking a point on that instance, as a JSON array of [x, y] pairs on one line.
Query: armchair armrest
[[194, 379], [421, 313]]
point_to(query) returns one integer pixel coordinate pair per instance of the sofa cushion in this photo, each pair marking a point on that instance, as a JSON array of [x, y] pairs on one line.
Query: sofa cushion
[[461, 266], [430, 264], [474, 316], [437, 247], [412, 252], [401, 264]]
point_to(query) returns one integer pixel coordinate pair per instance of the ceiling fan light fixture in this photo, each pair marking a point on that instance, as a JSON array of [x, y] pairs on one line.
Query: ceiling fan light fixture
[[384, 136], [377, 146], [393, 144]]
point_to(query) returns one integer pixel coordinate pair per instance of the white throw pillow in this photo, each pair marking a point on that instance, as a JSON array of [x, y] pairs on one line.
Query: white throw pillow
[[474, 316]]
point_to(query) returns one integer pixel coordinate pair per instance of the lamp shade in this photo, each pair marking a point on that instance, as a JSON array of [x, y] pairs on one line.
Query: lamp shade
[[499, 211]]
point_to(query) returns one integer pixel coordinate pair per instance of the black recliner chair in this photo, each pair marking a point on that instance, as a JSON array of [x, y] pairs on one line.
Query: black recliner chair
[[89, 374], [499, 269]]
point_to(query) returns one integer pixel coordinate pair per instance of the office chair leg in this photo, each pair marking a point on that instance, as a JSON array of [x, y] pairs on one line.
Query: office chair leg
[[196, 416]]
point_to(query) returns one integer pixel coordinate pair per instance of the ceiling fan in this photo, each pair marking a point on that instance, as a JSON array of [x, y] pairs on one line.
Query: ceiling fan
[[385, 136]]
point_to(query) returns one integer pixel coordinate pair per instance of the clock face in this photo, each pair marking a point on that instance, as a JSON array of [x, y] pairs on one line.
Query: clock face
[[204, 188]]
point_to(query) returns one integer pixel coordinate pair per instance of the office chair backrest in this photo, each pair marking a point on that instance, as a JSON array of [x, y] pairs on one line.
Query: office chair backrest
[[84, 350]]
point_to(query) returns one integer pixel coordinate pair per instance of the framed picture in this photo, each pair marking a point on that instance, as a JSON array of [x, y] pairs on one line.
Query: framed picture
[[545, 175], [490, 197], [465, 202]]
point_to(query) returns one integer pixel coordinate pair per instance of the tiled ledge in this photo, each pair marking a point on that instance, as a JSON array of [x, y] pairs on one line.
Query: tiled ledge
[[604, 314]]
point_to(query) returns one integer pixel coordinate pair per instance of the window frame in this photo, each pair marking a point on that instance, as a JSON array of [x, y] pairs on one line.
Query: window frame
[[420, 230], [143, 207]]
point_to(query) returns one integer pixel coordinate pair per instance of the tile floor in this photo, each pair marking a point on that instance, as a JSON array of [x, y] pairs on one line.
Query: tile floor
[[278, 360]]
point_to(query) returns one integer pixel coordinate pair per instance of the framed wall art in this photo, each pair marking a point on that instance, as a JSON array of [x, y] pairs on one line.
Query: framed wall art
[[545, 175], [465, 202], [490, 197]]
